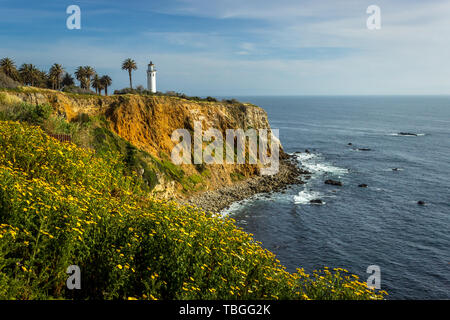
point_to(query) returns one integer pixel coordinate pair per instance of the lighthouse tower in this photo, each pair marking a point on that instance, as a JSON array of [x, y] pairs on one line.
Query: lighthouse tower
[[151, 78]]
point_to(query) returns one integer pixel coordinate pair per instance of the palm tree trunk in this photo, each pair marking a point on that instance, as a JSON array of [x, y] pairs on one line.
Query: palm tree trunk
[[106, 90], [131, 84]]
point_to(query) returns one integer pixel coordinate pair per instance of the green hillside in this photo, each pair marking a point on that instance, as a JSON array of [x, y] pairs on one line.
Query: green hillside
[[61, 205]]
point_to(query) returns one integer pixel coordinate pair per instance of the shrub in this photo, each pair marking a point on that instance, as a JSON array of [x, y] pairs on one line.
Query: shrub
[[77, 90], [34, 114], [7, 99], [140, 90], [7, 82], [83, 118], [231, 101]]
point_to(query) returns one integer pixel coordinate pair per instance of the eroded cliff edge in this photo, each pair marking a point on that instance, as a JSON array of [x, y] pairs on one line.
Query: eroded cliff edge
[[147, 122]]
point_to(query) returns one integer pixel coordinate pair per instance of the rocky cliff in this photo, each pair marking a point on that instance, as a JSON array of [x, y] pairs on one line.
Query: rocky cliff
[[147, 122]]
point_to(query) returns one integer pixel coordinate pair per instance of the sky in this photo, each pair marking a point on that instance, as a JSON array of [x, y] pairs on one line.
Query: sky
[[241, 47]]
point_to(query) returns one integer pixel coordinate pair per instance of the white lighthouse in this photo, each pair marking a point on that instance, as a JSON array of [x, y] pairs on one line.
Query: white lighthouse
[[151, 78]]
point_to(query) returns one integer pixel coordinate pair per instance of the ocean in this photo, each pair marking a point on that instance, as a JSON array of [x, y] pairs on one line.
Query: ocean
[[357, 227]]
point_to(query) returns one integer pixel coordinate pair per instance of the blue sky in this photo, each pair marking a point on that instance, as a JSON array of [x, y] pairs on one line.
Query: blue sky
[[242, 47]]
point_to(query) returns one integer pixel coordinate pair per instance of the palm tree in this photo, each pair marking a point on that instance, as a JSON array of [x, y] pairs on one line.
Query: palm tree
[[106, 82], [80, 74], [97, 84], [67, 80], [42, 79], [129, 65], [89, 73], [55, 75], [29, 74], [8, 67]]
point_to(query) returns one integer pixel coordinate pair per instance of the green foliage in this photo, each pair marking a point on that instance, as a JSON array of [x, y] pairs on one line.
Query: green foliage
[[131, 156], [34, 114], [83, 118], [105, 141], [139, 90], [236, 176], [170, 169], [59, 125], [149, 175], [231, 101], [192, 183], [7, 82], [68, 80], [77, 90]]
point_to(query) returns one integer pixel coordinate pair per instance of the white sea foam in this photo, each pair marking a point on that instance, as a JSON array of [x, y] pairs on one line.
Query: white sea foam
[[393, 169], [305, 156], [407, 135], [305, 196], [315, 164], [235, 206]]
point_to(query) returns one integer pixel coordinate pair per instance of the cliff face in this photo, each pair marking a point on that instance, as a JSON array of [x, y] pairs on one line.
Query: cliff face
[[148, 122]]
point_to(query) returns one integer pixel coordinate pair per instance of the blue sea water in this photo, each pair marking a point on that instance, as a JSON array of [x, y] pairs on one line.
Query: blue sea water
[[356, 227]]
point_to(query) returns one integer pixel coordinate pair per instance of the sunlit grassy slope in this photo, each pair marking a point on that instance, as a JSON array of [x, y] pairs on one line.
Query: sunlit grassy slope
[[62, 205]]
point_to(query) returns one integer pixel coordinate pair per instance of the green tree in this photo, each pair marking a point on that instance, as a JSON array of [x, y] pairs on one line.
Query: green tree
[[106, 82], [84, 75], [67, 80], [80, 74], [8, 67], [97, 84], [29, 74], [55, 75], [129, 65], [89, 73], [42, 79]]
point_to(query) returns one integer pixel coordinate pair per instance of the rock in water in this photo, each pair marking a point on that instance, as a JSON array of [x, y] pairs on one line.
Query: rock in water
[[316, 201], [333, 182], [421, 203], [406, 134]]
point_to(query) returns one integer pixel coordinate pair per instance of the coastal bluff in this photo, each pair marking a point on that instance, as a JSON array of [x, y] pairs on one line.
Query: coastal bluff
[[147, 123]]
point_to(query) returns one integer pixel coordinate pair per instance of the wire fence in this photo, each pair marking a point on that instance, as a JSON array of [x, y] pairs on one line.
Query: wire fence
[[61, 137]]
